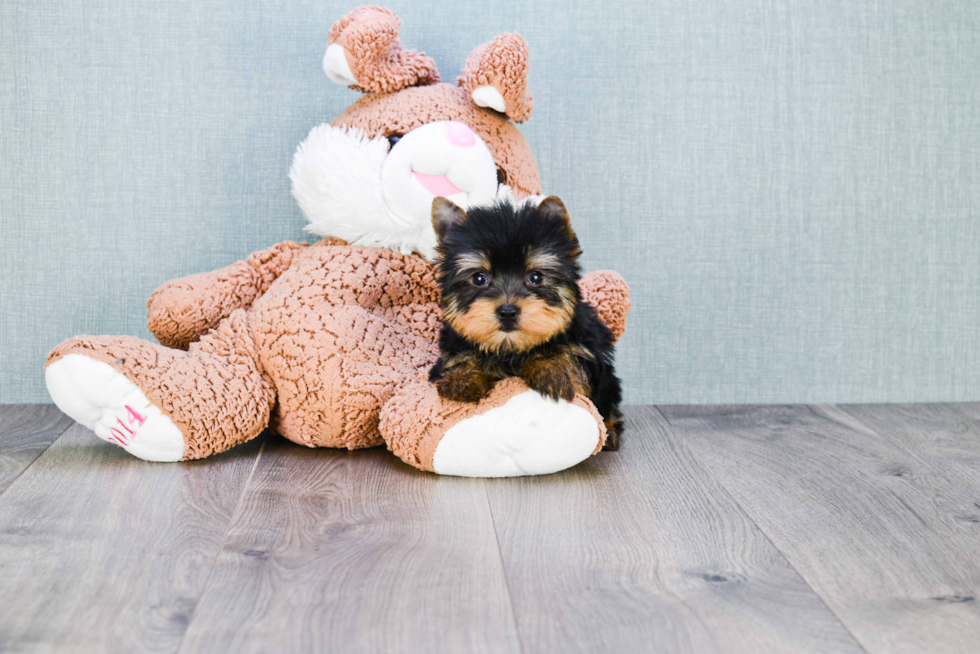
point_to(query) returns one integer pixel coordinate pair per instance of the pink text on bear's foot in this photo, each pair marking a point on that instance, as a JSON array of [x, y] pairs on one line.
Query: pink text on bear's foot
[[127, 434]]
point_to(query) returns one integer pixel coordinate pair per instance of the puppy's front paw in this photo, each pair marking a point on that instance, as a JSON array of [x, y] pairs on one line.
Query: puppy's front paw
[[554, 378], [470, 386]]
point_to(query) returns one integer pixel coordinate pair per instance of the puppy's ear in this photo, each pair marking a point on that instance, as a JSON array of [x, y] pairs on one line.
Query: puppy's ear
[[551, 208], [445, 214]]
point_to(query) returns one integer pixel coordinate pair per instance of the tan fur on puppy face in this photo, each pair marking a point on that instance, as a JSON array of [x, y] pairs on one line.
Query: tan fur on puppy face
[[538, 323], [540, 260], [473, 262], [479, 323]]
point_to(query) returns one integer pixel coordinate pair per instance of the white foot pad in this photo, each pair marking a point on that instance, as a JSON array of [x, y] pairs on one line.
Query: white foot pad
[[528, 435], [95, 395]]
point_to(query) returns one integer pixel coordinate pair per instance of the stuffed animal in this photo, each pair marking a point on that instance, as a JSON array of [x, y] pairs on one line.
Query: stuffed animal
[[330, 344]]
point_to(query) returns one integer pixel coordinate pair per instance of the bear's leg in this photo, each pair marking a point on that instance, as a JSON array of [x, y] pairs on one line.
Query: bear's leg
[[161, 404], [514, 431]]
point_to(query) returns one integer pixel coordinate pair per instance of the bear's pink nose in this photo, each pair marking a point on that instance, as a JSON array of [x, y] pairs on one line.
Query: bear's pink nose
[[459, 134]]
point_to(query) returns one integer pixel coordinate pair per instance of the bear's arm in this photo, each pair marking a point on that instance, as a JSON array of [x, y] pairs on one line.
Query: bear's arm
[[607, 292], [182, 310]]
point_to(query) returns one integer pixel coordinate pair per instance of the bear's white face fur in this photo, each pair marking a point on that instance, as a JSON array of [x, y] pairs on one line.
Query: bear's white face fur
[[371, 193]]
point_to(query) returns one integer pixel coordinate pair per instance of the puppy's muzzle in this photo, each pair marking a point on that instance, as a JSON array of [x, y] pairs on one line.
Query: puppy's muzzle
[[508, 314]]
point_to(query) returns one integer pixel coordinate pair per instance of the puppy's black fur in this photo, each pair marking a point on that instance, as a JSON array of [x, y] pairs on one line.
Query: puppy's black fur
[[511, 307]]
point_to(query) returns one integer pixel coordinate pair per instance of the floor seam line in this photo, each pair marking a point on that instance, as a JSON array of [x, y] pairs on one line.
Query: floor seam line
[[503, 569], [765, 534], [31, 464], [221, 547]]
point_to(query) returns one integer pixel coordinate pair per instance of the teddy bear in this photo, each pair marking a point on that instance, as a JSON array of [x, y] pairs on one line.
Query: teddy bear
[[329, 344]]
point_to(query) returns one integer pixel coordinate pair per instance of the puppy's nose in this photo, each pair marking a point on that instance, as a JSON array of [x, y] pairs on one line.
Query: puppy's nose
[[459, 134], [507, 312]]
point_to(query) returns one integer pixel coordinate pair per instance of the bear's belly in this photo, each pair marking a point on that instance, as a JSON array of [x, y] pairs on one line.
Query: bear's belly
[[338, 341]]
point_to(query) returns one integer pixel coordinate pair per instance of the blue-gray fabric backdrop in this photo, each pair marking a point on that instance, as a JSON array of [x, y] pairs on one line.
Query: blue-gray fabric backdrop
[[792, 188]]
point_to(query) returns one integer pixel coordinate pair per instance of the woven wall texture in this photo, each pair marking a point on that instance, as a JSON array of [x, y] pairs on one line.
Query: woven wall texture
[[792, 189]]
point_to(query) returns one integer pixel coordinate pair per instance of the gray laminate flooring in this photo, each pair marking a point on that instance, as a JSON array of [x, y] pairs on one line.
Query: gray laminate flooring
[[730, 529]]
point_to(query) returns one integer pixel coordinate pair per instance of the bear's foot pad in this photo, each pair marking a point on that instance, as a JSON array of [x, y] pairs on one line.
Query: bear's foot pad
[[97, 396], [528, 435]]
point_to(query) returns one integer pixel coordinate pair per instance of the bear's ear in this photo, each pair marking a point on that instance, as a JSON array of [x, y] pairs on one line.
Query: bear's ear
[[364, 53], [445, 214], [495, 76]]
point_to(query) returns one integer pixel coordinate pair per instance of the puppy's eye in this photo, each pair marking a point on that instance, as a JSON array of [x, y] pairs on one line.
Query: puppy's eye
[[479, 279], [535, 278], [393, 139]]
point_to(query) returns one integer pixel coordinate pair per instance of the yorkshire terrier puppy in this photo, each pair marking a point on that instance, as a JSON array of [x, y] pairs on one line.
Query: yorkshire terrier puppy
[[511, 308]]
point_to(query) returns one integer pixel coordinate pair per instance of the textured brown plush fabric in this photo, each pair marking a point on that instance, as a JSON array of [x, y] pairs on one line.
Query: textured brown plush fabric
[[327, 343], [317, 340], [215, 392], [338, 333], [399, 113], [607, 291], [502, 64], [369, 36], [183, 309]]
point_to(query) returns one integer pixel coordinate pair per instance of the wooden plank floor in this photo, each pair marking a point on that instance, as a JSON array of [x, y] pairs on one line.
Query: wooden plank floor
[[729, 529]]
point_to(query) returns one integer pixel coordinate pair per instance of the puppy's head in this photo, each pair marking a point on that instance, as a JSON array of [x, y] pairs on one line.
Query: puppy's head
[[509, 274]]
